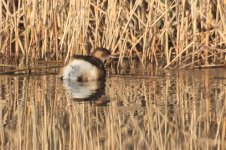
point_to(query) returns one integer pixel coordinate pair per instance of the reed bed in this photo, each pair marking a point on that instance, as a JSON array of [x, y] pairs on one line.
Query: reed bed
[[166, 33], [180, 110]]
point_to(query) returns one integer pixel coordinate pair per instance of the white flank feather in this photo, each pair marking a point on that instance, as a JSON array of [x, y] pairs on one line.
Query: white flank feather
[[77, 68]]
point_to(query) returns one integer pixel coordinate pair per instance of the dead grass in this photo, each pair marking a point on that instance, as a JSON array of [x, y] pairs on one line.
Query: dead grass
[[166, 33]]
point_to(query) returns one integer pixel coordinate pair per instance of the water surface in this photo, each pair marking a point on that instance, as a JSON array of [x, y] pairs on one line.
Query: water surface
[[180, 109]]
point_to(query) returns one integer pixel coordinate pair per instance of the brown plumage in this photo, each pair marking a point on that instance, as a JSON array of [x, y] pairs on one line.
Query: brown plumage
[[86, 68]]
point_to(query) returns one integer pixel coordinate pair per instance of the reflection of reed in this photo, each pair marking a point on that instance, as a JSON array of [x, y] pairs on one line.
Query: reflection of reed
[[165, 33], [182, 112]]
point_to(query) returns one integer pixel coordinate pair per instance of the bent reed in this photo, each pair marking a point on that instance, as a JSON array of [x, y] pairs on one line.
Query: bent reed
[[166, 33]]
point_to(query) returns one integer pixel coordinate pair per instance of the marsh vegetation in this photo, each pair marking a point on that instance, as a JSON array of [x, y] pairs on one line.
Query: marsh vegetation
[[166, 33]]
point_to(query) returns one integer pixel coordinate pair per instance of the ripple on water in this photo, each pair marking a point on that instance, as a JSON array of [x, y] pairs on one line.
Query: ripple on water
[[157, 109]]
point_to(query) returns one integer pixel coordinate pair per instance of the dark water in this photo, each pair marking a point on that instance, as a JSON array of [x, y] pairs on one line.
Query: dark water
[[181, 109]]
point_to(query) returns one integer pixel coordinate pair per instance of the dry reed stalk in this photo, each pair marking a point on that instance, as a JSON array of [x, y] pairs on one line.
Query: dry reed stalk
[[194, 27], [155, 31], [29, 69], [56, 37], [6, 65], [166, 37], [45, 23], [1, 27]]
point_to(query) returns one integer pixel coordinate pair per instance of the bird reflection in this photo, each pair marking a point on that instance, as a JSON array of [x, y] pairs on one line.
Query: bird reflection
[[86, 91]]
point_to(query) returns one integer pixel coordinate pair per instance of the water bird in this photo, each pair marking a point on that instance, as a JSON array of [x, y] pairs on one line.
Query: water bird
[[83, 68]]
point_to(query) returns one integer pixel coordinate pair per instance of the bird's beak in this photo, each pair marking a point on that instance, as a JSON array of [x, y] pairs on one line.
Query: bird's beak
[[110, 58], [114, 56]]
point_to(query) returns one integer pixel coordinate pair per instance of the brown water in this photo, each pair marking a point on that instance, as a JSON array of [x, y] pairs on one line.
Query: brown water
[[159, 110]]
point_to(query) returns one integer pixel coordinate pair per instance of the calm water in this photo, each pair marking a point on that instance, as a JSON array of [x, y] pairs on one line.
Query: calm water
[[155, 110]]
